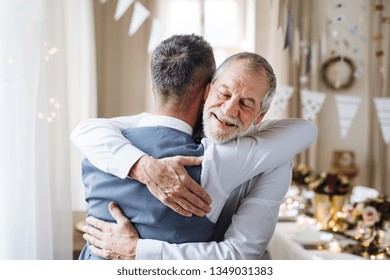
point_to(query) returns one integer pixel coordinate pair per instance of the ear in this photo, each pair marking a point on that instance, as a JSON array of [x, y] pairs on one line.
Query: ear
[[206, 92], [259, 118]]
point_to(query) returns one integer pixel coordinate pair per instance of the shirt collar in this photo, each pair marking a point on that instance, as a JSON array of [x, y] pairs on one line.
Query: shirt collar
[[157, 120]]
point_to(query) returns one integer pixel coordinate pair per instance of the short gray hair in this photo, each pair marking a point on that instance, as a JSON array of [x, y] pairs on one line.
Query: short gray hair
[[255, 64], [182, 66]]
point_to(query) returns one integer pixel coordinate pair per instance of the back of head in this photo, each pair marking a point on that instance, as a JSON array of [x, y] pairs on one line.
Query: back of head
[[257, 65], [181, 68]]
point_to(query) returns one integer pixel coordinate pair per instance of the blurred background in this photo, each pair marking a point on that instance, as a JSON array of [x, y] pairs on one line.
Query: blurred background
[[62, 61]]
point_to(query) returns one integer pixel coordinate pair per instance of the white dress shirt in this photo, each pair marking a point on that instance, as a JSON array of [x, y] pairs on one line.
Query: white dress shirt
[[224, 168]]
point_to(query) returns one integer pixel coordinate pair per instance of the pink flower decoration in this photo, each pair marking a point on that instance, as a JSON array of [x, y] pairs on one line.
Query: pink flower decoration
[[370, 216]]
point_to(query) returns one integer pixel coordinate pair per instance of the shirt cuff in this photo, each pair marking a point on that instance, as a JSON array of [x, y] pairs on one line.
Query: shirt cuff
[[124, 159], [149, 249]]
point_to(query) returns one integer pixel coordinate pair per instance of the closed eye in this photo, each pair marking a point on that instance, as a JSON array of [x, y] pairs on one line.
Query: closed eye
[[224, 95], [247, 103]]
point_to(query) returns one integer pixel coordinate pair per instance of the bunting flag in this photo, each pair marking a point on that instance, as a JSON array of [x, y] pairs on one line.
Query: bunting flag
[[296, 47], [289, 31], [382, 105], [121, 8], [347, 107], [155, 35], [311, 103], [140, 14], [307, 53], [280, 102]]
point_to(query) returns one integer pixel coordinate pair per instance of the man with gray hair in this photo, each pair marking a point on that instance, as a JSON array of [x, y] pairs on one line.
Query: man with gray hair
[[236, 102]]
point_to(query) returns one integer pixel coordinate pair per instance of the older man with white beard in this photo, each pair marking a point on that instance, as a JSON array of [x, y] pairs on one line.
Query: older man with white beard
[[239, 97]]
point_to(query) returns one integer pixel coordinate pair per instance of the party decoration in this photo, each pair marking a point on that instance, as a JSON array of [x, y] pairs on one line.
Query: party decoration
[[289, 31], [347, 107], [338, 72], [121, 8], [330, 193], [279, 104], [50, 116], [382, 105], [344, 163], [301, 175], [311, 102], [140, 14]]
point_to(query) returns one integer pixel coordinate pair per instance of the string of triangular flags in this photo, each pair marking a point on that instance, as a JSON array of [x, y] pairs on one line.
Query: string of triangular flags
[[311, 101], [139, 16], [347, 107]]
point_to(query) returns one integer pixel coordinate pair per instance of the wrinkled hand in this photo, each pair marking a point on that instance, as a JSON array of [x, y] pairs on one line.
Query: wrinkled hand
[[170, 183], [109, 240]]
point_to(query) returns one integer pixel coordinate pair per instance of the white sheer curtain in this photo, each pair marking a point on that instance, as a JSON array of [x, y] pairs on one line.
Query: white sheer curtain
[[47, 85]]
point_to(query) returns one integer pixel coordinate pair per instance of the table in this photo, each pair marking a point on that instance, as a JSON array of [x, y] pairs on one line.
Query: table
[[283, 247]]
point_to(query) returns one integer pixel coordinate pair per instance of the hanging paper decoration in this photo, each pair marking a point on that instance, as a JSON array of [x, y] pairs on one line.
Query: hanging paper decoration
[[382, 105], [347, 107], [296, 47], [140, 14], [121, 8], [289, 31], [311, 102], [155, 35], [280, 102]]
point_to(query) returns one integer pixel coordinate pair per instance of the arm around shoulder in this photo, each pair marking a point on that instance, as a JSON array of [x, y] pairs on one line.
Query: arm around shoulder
[[102, 142], [297, 127]]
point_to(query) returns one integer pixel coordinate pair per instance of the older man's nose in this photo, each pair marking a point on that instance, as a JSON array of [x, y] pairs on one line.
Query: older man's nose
[[230, 108]]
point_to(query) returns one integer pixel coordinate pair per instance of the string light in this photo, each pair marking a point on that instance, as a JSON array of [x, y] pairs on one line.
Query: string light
[[53, 51], [334, 246], [50, 52], [50, 118]]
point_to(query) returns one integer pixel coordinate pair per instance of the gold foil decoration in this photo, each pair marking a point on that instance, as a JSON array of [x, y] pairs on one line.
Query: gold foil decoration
[[326, 207]]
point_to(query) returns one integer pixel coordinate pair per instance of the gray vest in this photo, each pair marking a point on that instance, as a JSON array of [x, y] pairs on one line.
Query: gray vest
[[151, 218]]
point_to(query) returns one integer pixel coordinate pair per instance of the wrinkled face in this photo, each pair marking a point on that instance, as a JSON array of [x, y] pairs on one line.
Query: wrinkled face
[[233, 103]]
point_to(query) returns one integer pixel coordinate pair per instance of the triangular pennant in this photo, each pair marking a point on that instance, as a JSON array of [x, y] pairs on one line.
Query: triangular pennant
[[155, 35], [296, 47], [121, 8], [311, 103], [347, 107], [289, 31], [382, 105], [280, 101], [140, 14], [307, 53]]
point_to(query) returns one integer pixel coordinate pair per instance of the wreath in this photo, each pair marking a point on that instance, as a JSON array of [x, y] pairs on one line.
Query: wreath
[[332, 62]]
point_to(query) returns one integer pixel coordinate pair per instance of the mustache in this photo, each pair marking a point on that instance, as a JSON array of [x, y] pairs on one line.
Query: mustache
[[234, 121]]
